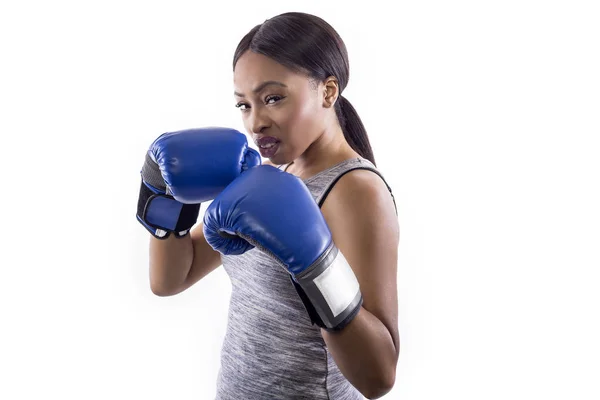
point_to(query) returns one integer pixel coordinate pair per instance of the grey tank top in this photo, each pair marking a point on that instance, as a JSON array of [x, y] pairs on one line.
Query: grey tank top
[[271, 350]]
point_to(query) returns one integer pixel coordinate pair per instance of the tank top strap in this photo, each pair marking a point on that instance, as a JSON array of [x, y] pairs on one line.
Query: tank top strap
[[323, 182]]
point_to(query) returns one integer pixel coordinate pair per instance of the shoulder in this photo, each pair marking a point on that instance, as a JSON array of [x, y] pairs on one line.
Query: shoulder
[[361, 194]]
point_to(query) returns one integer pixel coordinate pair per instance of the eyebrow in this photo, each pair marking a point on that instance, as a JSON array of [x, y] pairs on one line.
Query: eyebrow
[[261, 87]]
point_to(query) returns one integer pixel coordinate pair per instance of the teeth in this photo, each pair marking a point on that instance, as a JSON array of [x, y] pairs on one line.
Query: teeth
[[268, 146]]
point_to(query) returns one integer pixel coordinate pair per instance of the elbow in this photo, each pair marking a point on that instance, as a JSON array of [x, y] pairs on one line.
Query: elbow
[[159, 291], [162, 290], [380, 387], [163, 286]]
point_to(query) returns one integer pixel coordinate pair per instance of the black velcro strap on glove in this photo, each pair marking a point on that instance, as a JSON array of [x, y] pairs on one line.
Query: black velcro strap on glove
[[161, 214]]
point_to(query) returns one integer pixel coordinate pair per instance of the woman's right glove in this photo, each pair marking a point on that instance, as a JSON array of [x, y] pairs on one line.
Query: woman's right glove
[[184, 168]]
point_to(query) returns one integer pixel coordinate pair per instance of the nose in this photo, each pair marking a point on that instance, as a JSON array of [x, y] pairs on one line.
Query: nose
[[259, 120]]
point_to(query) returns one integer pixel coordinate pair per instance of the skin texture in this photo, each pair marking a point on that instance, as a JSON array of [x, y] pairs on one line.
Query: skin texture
[[300, 114]]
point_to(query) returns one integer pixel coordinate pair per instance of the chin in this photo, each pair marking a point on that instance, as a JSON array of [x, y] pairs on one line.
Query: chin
[[280, 158]]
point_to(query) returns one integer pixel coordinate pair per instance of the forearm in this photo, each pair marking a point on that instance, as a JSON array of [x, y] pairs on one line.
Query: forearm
[[170, 263], [365, 353]]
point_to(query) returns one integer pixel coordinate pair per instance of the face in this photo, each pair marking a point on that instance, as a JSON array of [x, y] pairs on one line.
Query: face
[[283, 111]]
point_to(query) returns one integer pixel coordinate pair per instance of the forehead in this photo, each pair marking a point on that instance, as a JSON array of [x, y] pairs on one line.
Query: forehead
[[253, 69]]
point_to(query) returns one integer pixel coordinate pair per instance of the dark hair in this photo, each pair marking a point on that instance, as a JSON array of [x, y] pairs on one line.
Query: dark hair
[[307, 44]]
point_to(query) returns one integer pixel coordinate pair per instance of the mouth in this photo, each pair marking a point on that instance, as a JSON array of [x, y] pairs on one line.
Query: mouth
[[268, 146]]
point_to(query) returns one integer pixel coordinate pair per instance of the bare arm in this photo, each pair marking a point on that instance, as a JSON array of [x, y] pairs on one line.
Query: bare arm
[[367, 350], [178, 263]]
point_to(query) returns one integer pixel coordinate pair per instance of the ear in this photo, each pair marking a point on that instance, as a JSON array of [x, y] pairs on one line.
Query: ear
[[330, 91]]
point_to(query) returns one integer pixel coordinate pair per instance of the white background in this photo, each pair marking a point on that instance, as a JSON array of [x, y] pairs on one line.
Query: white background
[[484, 117]]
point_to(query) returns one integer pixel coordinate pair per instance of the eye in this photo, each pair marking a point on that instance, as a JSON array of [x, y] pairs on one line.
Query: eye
[[242, 106], [273, 99]]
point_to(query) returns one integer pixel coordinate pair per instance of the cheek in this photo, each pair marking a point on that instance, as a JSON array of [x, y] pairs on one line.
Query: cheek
[[303, 122]]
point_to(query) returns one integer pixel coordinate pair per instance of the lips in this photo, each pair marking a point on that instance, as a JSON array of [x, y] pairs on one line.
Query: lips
[[268, 146], [266, 140]]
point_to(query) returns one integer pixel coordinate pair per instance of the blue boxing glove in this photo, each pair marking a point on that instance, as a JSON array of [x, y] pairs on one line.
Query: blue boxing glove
[[185, 168], [275, 212]]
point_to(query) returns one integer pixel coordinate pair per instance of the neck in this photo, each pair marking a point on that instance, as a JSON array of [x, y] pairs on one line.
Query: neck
[[329, 149]]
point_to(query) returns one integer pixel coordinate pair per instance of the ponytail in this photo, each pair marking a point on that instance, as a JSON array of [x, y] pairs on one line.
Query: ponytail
[[353, 128]]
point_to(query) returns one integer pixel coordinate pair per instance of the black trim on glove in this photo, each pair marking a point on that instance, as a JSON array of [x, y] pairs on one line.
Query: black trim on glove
[[315, 319], [188, 215]]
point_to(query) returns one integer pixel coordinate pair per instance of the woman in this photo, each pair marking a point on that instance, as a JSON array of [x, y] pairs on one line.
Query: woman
[[289, 75]]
